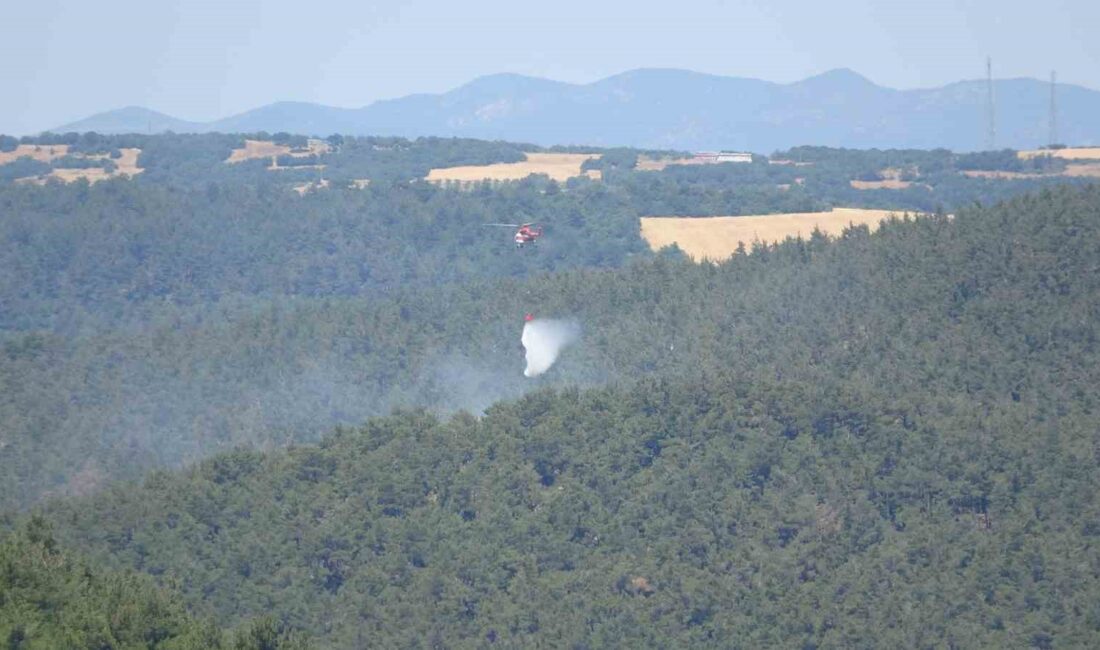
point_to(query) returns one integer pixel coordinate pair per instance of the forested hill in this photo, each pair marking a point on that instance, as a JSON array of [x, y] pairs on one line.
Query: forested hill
[[191, 230], [679, 109], [152, 320], [889, 440]]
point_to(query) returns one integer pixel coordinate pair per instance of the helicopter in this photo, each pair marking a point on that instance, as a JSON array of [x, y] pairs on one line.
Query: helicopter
[[526, 233]]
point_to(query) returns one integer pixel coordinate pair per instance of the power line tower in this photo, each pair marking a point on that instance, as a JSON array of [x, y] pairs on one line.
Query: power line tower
[[990, 109], [1053, 109]]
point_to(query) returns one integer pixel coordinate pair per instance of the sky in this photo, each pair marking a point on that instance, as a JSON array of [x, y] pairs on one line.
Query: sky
[[63, 60]]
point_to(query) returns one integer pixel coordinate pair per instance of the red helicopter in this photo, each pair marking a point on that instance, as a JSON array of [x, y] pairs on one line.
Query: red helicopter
[[526, 233]]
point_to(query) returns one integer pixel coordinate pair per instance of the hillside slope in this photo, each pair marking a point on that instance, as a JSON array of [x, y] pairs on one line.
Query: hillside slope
[[889, 440], [204, 305], [50, 598], [132, 119]]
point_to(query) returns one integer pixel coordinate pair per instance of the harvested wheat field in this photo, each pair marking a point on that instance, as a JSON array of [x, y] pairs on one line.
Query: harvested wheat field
[[716, 238], [891, 179], [558, 166], [1070, 153], [127, 162], [887, 184], [91, 174], [264, 149], [39, 152], [1091, 170]]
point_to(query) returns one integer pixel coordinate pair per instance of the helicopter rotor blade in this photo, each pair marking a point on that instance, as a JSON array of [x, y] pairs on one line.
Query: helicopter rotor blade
[[503, 225]]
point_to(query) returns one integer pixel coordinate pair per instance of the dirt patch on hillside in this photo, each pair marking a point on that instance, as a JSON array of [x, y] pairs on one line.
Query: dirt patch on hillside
[[887, 184], [717, 238], [890, 178], [125, 165], [258, 149], [558, 166], [1091, 170], [310, 187], [127, 162], [39, 152]]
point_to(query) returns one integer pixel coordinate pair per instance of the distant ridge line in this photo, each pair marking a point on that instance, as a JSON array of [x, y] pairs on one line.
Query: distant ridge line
[[658, 108]]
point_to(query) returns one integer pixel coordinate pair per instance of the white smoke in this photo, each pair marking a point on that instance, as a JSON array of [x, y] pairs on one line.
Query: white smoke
[[543, 340]]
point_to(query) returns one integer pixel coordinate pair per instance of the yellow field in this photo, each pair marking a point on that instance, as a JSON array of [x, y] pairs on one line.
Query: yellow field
[[1082, 169], [1072, 153], [888, 184], [558, 166], [716, 238], [257, 149], [126, 164], [1089, 169], [891, 180], [263, 149], [41, 153]]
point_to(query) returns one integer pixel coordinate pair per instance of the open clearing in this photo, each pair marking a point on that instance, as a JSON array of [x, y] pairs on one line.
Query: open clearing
[[126, 164], [558, 166], [254, 149], [887, 184], [717, 238], [891, 179], [1070, 153], [39, 152]]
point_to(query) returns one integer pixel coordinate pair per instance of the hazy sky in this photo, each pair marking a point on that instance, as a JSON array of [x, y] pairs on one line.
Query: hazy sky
[[203, 59]]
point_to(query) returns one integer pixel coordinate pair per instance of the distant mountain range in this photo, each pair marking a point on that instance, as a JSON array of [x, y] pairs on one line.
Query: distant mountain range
[[678, 109]]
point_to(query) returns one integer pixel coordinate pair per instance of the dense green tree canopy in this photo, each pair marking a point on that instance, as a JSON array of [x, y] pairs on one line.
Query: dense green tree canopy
[[886, 440], [50, 599]]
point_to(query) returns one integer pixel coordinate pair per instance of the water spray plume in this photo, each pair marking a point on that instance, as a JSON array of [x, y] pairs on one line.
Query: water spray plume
[[543, 341]]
